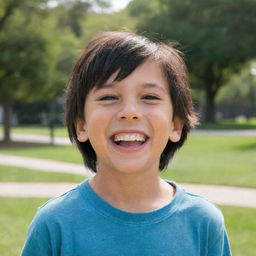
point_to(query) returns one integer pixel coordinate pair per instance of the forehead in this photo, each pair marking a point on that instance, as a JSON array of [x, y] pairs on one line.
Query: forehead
[[147, 75]]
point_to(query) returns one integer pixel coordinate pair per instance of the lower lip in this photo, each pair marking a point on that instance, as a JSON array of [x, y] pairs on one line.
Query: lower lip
[[130, 149]]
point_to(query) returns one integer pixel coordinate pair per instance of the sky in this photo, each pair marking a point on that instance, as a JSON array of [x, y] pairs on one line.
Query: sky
[[116, 4], [119, 4]]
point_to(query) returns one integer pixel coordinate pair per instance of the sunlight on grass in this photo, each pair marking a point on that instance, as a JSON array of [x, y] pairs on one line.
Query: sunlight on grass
[[59, 153], [241, 226], [16, 174], [223, 160]]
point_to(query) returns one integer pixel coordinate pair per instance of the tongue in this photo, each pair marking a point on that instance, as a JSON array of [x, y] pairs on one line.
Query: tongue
[[129, 143]]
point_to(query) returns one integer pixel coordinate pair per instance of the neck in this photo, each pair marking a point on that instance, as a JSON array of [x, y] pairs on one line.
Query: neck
[[138, 192]]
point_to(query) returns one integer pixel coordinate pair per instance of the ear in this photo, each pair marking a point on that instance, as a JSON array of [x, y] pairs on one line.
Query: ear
[[81, 132], [176, 130]]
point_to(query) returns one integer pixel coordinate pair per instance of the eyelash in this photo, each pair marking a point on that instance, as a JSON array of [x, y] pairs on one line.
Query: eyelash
[[151, 97], [112, 97], [108, 97]]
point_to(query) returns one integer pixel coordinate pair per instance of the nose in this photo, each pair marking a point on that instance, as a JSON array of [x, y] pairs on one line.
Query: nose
[[129, 112]]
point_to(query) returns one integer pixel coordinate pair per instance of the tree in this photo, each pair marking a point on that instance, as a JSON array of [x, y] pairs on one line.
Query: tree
[[23, 61], [240, 92], [100, 22], [217, 36], [38, 46]]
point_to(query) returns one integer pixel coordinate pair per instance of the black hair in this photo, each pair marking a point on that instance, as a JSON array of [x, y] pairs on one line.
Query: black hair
[[111, 52]]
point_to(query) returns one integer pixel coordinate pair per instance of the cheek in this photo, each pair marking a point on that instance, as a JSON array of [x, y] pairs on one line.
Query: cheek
[[161, 122], [97, 124], [162, 117]]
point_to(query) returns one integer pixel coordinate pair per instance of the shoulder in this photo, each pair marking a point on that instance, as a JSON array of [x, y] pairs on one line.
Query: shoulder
[[54, 219], [206, 219], [61, 208], [200, 209]]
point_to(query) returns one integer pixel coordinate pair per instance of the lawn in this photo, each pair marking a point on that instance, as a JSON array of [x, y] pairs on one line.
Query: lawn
[[15, 216], [222, 160], [17, 213], [241, 226], [14, 174], [230, 125], [59, 131], [59, 153]]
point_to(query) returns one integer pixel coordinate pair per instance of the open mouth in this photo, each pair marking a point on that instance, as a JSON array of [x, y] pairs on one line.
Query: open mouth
[[129, 140]]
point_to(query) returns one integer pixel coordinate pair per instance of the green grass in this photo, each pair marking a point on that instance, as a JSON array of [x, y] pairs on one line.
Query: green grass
[[17, 213], [59, 153], [15, 174], [223, 160], [241, 226], [15, 216], [230, 125], [38, 130]]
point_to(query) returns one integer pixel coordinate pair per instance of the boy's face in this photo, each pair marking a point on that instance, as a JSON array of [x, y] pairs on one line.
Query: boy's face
[[130, 122]]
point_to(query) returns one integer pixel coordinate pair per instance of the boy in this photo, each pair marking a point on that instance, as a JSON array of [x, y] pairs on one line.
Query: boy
[[128, 110]]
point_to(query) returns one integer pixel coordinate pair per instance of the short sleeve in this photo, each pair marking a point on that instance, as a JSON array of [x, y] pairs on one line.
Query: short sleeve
[[38, 240], [220, 246]]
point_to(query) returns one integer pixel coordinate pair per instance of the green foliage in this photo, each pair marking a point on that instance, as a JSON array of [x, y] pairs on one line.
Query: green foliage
[[137, 8], [23, 62], [38, 46], [100, 22], [240, 90], [70, 13]]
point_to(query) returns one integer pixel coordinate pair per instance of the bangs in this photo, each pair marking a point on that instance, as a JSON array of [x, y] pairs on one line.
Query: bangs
[[118, 56]]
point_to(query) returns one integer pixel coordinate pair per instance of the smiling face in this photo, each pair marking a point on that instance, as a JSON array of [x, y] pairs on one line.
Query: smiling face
[[129, 122]]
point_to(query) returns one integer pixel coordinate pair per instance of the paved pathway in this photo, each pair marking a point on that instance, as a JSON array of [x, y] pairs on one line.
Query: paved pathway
[[226, 132], [38, 139], [43, 164], [218, 194]]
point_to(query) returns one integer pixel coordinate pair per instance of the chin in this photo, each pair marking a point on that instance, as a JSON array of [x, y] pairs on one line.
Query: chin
[[131, 168]]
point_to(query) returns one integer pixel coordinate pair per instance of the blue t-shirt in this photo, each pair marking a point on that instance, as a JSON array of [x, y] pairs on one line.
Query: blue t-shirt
[[80, 223]]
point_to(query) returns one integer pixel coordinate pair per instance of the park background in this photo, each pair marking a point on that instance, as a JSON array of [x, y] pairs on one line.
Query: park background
[[39, 43]]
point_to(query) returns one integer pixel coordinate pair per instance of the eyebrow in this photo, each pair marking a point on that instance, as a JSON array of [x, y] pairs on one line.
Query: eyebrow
[[153, 85], [145, 85]]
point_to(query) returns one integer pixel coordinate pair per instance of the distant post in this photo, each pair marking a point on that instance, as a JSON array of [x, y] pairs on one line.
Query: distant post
[[52, 121], [253, 91]]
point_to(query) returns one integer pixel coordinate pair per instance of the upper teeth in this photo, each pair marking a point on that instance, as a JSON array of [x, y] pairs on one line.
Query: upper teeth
[[129, 137]]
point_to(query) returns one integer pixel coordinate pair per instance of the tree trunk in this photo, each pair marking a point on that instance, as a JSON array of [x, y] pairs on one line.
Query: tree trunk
[[211, 87], [7, 121], [52, 121], [210, 108]]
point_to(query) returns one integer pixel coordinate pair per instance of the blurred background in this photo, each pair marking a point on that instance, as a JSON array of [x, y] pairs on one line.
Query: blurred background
[[39, 43]]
